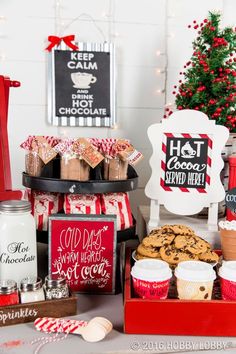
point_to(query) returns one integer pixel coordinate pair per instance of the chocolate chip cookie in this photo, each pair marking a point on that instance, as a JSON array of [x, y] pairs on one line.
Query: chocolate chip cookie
[[158, 240], [150, 252], [209, 257], [192, 244], [138, 256], [173, 256], [177, 229], [155, 231]]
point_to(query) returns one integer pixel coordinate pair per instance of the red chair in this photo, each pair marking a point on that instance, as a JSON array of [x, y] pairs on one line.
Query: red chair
[[6, 191]]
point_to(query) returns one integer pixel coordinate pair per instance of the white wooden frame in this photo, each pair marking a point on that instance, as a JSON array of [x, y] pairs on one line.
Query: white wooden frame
[[176, 201]]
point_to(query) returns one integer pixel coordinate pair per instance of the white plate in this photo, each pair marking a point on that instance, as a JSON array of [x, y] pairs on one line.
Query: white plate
[[133, 255]]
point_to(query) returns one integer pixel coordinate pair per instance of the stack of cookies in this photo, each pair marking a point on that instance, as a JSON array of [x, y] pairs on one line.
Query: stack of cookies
[[174, 244]]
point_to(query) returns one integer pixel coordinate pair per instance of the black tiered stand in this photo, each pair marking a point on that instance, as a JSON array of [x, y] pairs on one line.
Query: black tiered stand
[[50, 182]]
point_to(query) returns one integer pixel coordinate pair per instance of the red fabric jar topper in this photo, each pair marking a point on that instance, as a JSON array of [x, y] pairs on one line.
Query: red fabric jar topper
[[55, 41]]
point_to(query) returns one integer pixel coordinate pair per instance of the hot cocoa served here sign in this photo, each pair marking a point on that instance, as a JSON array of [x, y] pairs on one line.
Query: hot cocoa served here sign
[[186, 161], [83, 249], [186, 165]]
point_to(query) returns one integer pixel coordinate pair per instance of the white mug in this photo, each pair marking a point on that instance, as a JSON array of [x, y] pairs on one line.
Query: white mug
[[82, 80]]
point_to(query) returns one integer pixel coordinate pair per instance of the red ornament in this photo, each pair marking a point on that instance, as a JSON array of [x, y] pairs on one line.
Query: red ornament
[[212, 101]]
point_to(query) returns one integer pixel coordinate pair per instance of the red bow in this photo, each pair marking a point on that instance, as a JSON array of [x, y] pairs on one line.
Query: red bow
[[57, 40]]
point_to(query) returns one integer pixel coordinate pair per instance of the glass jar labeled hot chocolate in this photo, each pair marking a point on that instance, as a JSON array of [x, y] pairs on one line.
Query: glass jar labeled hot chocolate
[[18, 248]]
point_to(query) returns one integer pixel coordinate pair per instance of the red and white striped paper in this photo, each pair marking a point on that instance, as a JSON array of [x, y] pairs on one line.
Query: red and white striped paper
[[82, 204], [49, 325], [118, 204], [43, 205]]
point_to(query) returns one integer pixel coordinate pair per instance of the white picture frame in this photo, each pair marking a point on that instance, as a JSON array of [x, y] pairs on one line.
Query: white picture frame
[[177, 200]]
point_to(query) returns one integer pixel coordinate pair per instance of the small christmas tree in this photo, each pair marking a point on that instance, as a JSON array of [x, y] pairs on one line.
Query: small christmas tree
[[210, 78]]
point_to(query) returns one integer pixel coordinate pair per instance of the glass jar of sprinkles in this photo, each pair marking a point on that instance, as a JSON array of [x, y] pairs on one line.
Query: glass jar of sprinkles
[[8, 293], [31, 290], [56, 287]]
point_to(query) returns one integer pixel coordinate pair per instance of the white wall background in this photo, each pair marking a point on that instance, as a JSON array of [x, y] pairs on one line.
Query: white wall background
[[153, 43]]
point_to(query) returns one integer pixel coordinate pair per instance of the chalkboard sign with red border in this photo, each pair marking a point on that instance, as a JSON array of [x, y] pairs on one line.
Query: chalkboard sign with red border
[[83, 249]]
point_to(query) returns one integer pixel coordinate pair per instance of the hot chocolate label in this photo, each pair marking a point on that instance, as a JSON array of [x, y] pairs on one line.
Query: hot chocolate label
[[16, 252]]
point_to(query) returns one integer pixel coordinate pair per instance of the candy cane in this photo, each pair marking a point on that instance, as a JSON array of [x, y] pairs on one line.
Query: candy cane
[[92, 331]]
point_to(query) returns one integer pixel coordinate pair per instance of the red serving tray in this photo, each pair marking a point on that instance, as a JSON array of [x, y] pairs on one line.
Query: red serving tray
[[177, 317]]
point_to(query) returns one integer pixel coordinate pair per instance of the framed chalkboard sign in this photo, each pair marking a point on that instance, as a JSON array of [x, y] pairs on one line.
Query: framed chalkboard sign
[[81, 86], [186, 165], [186, 161]]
